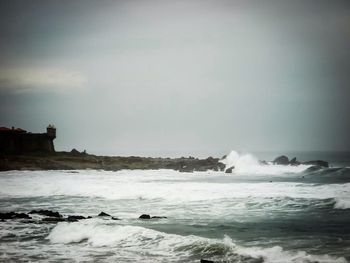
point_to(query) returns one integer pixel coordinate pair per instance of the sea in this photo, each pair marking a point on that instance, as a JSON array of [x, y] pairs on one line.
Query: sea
[[259, 213]]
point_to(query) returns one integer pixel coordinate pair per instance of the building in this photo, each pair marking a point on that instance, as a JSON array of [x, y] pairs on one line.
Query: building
[[17, 141]]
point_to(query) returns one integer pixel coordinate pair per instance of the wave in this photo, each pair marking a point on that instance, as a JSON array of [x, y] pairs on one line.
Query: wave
[[249, 164], [171, 247], [165, 186]]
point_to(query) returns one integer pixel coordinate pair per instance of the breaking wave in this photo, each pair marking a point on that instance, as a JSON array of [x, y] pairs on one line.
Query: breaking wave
[[149, 243], [249, 164]]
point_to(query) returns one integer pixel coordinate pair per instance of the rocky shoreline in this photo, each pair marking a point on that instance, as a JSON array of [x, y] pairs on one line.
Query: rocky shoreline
[[76, 160]]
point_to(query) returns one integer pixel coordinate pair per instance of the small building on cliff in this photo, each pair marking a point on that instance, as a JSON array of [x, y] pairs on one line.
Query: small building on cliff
[[17, 141]]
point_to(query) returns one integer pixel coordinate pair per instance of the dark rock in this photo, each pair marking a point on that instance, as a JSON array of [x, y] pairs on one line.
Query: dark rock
[[13, 215], [75, 218], [294, 161], [206, 261], [52, 219], [46, 213], [317, 163], [221, 166], [158, 217], [281, 160], [229, 170], [115, 218], [263, 162], [22, 215], [103, 214], [144, 216]]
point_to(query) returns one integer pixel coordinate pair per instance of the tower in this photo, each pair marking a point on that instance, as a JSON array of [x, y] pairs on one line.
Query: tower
[[51, 131]]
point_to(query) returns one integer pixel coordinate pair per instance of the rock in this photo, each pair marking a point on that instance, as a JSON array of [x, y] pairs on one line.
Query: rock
[[103, 214], [317, 163], [144, 216], [75, 218], [206, 261], [221, 166], [281, 160], [263, 162], [115, 218], [46, 213], [14, 215], [294, 161], [158, 217], [229, 170], [52, 219]]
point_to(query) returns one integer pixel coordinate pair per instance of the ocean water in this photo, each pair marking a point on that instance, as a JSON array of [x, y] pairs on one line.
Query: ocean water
[[259, 213]]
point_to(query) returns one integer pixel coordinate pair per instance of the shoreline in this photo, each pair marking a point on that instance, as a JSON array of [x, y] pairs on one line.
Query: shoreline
[[80, 161]]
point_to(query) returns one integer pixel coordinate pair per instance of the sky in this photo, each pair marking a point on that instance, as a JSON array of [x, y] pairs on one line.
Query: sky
[[172, 78]]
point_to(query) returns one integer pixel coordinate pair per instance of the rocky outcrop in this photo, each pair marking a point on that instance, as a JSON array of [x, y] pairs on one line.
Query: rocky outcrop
[[14, 215], [283, 160], [229, 170], [48, 213], [103, 214], [144, 216]]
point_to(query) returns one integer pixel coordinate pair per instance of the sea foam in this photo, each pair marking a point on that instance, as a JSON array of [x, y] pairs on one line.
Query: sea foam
[[141, 240]]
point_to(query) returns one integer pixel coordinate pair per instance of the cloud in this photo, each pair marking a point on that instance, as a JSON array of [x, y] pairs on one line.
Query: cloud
[[28, 80]]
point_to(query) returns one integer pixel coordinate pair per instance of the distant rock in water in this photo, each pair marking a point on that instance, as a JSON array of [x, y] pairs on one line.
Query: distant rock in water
[[229, 170], [283, 160], [206, 261], [144, 216], [52, 219], [317, 163], [158, 217], [294, 161], [75, 218], [46, 213], [103, 214], [14, 215]]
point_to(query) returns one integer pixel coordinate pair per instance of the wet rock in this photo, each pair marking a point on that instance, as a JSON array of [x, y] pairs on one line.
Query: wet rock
[[46, 213], [206, 261], [158, 217], [115, 218], [144, 216], [281, 160], [103, 214], [75, 218], [294, 161], [221, 166], [229, 170], [14, 215], [317, 163]]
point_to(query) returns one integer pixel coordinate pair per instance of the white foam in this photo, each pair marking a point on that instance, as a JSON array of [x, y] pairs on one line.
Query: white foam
[[164, 185], [342, 203], [249, 164], [140, 240]]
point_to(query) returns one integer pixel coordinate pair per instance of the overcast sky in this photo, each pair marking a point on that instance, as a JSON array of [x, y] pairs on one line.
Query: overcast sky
[[178, 77]]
